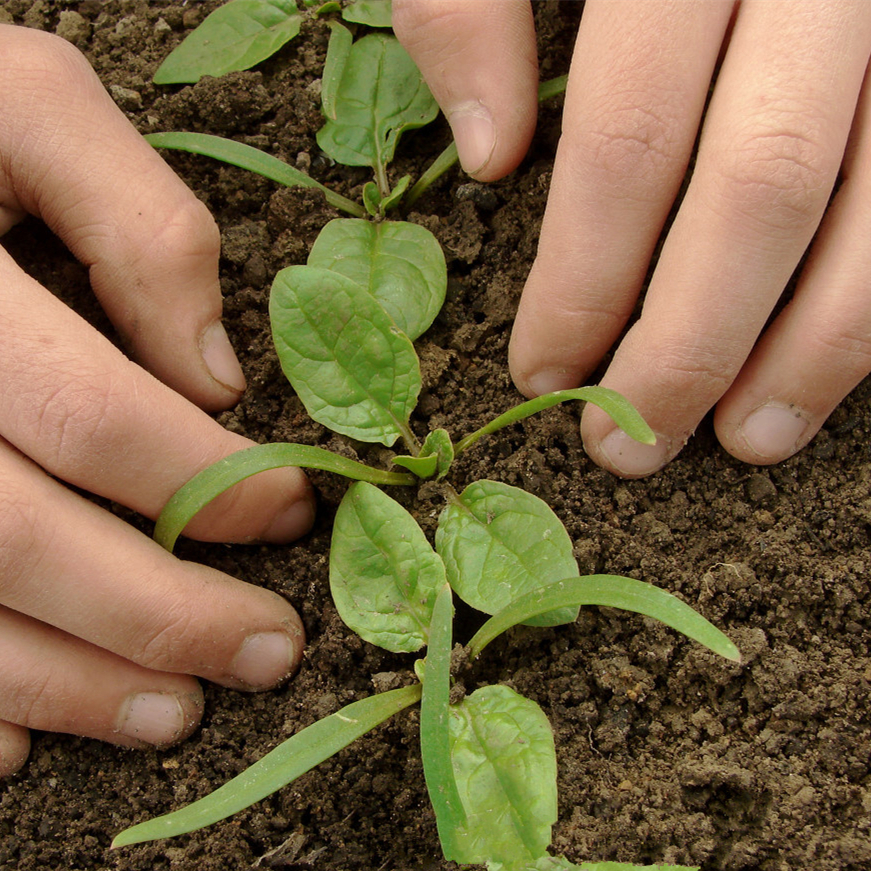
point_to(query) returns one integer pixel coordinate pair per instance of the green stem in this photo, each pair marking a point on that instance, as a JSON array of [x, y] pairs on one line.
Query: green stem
[[214, 480], [253, 159], [620, 409]]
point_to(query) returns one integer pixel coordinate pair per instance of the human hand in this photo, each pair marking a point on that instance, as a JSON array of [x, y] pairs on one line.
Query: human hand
[[787, 113], [100, 628]]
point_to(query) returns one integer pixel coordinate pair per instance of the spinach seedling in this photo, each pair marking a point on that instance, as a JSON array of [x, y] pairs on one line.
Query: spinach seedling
[[343, 326]]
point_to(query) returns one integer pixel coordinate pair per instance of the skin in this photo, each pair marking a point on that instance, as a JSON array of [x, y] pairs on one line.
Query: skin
[[788, 117], [101, 631]]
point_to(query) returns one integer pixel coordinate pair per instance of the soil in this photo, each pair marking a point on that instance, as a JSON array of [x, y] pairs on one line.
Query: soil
[[666, 754]]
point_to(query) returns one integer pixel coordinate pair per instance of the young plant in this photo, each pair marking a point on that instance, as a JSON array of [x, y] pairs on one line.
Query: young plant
[[343, 326]]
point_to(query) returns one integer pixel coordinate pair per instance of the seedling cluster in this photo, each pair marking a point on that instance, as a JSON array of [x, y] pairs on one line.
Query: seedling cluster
[[343, 326]]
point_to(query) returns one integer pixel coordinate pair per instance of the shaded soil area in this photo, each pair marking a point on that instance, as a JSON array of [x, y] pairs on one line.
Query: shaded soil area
[[666, 754]]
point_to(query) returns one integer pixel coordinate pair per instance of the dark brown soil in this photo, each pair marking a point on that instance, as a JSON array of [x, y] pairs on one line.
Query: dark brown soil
[[665, 753]]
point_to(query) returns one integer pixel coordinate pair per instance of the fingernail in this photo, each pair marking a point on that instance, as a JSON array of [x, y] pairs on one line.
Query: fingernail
[[773, 431], [220, 358], [550, 380], [154, 718], [634, 459], [475, 135], [265, 660], [291, 523]]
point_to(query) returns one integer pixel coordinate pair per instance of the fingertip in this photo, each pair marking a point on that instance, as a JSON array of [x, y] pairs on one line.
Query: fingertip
[[159, 718], [221, 361], [766, 434], [267, 659], [296, 519], [14, 748]]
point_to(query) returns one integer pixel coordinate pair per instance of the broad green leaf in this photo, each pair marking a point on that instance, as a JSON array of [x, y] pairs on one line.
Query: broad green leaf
[[338, 49], [610, 591], [505, 767], [435, 741], [384, 576], [235, 36], [618, 408], [372, 13], [276, 769], [193, 496], [435, 456], [353, 368], [380, 95], [250, 158], [400, 264], [499, 542]]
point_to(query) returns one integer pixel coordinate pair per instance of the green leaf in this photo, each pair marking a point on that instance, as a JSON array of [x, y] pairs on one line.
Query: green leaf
[[372, 199], [505, 767], [193, 496], [619, 409], [353, 368], [394, 198], [380, 95], [498, 542], [250, 158], [435, 456], [435, 741], [235, 36], [611, 591], [401, 264], [384, 576], [338, 49], [372, 13], [276, 769]]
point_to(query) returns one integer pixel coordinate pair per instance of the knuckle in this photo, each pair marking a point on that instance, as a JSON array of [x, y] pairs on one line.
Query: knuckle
[[187, 231], [20, 540], [165, 639], [681, 370], [781, 178], [628, 144]]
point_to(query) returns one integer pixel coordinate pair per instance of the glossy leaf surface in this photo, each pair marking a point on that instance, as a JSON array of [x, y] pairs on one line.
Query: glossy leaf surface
[[381, 94], [384, 576], [235, 36], [504, 763], [353, 368], [372, 13], [499, 542], [400, 264]]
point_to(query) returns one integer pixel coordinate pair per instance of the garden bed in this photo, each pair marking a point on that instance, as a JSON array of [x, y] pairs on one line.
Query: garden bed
[[666, 753]]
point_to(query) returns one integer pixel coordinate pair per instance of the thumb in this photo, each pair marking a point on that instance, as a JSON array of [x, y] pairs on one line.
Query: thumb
[[479, 60]]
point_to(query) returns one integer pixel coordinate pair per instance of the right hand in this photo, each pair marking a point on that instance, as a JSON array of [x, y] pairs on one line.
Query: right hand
[[100, 628]]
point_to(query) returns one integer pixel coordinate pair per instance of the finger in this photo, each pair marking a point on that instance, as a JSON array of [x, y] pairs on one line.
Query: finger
[[128, 595], [768, 157], [56, 683], [73, 159], [14, 748], [73, 403], [479, 60], [819, 348], [636, 92]]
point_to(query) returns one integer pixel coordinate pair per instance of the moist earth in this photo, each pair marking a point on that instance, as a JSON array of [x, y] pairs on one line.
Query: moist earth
[[666, 753]]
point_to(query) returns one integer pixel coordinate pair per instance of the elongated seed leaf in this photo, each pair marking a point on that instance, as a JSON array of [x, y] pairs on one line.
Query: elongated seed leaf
[[338, 49], [380, 95], [384, 575], [618, 408], [193, 496], [435, 741], [498, 542], [372, 13], [612, 591], [504, 762], [277, 768], [353, 368], [250, 158], [400, 264], [235, 36]]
